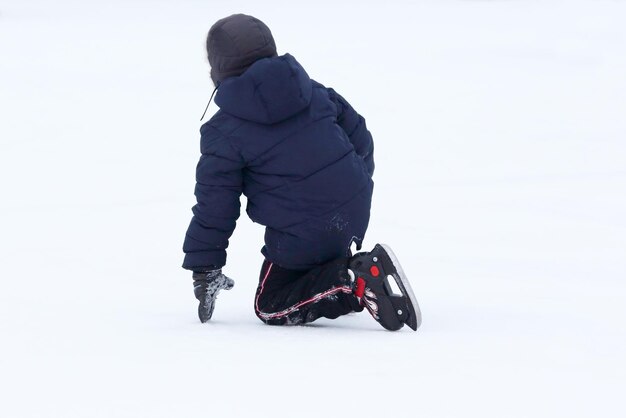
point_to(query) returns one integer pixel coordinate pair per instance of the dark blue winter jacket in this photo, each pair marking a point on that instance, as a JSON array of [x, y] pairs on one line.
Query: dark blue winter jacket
[[299, 153]]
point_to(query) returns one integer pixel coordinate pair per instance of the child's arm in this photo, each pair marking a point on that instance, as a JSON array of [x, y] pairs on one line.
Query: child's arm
[[219, 180], [354, 126]]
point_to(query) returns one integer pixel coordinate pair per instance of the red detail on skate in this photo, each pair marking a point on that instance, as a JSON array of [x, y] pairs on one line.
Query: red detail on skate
[[374, 270], [359, 290]]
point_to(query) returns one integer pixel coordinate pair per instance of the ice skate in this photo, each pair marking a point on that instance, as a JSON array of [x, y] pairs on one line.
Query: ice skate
[[372, 272]]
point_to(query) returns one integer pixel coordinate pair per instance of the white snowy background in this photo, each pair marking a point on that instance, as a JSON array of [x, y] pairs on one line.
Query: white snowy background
[[500, 131]]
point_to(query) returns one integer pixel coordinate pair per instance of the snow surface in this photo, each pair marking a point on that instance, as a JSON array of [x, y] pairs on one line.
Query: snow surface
[[500, 184]]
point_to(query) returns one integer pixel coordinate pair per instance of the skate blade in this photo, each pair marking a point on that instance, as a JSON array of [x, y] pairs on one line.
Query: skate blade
[[415, 319]]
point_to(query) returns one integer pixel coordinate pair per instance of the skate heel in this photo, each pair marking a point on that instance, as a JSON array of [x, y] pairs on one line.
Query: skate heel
[[392, 306], [414, 319]]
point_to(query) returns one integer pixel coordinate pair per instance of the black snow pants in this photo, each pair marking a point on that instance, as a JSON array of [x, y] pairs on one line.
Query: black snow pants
[[290, 297]]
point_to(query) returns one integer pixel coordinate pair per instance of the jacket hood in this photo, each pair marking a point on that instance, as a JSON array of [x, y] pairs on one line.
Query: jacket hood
[[270, 91]]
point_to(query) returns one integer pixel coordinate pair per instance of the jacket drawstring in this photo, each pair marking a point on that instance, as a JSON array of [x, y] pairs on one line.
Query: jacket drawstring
[[207, 105]]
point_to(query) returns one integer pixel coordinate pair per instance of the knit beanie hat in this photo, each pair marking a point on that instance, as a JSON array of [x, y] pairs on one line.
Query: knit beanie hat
[[234, 43]]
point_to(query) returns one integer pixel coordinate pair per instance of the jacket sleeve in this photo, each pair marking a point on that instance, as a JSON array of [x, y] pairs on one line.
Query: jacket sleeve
[[219, 177], [354, 126]]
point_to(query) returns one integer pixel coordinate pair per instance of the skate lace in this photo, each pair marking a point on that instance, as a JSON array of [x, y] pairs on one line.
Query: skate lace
[[370, 304]]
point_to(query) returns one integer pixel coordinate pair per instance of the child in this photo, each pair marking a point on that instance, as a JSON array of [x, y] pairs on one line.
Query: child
[[304, 159]]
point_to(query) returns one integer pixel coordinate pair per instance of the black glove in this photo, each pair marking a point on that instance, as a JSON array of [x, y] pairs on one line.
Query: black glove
[[206, 286]]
